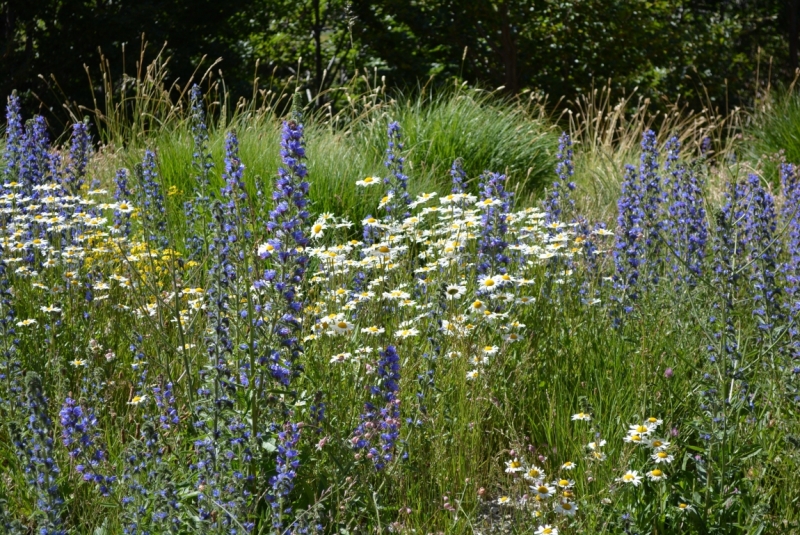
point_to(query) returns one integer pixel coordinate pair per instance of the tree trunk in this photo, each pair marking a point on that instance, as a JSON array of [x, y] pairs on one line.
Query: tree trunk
[[794, 14], [508, 51], [317, 45]]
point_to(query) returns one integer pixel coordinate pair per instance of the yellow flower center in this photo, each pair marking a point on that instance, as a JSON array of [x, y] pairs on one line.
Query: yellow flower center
[[383, 249], [488, 282], [543, 490], [628, 477], [656, 473], [317, 228], [566, 506], [661, 455], [342, 325], [563, 483]]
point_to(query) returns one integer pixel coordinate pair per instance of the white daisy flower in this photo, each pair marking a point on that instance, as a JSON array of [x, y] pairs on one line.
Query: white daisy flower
[[544, 490], [631, 477], [455, 291], [662, 457], [656, 475], [566, 507], [513, 466], [368, 181]]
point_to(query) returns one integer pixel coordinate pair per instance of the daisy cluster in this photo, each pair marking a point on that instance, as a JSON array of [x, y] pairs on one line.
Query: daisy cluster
[[659, 450], [549, 494], [546, 494], [423, 275]]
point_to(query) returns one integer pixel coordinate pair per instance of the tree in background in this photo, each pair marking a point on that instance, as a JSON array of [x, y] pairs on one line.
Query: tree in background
[[60, 37], [310, 39], [704, 51], [564, 47]]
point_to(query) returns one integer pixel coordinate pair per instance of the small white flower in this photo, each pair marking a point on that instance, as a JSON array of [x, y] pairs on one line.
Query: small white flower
[[662, 457], [455, 291], [318, 229], [341, 357], [595, 445], [633, 438], [342, 326], [513, 466], [265, 250], [632, 477], [406, 333], [544, 490], [653, 422], [374, 330], [640, 429], [137, 400], [658, 444], [488, 283], [566, 507], [477, 307], [684, 507], [368, 181], [534, 473], [512, 337]]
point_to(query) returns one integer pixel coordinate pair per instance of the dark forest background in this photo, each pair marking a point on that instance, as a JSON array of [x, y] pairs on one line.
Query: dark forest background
[[718, 52]]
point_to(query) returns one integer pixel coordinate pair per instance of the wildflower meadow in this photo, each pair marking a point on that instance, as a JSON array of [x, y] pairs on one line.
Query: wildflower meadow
[[191, 346]]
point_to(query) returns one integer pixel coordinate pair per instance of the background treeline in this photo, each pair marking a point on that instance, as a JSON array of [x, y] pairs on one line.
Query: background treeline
[[717, 52]]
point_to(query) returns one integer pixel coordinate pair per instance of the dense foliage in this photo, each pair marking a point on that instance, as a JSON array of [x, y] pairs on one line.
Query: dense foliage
[[724, 51]]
